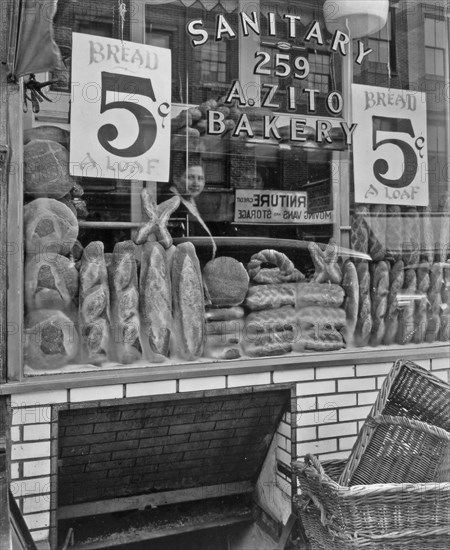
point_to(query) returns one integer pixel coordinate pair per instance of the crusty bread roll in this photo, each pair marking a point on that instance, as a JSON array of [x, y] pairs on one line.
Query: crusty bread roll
[[125, 322], [95, 316], [188, 303], [46, 169], [155, 300], [350, 285], [226, 281], [51, 339], [51, 282], [49, 227]]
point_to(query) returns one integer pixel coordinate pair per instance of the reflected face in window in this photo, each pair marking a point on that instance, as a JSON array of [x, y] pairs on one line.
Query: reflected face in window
[[191, 182]]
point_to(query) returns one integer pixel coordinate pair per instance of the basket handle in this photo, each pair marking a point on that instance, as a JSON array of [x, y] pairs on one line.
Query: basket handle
[[312, 460], [319, 506], [411, 424]]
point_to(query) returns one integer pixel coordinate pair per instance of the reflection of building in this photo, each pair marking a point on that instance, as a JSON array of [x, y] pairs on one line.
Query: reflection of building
[[72, 435]]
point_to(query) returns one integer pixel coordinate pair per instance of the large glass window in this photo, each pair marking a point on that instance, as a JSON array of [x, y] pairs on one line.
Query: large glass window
[[435, 44]]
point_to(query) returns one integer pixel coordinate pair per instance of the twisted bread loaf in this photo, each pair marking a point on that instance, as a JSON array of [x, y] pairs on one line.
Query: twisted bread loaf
[[421, 308], [435, 300], [379, 293], [155, 300], [125, 304], [284, 271], [364, 323], [327, 269], [94, 304], [396, 281], [359, 235]]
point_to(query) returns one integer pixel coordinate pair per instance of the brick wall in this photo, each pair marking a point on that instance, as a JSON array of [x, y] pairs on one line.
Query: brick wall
[[330, 406]]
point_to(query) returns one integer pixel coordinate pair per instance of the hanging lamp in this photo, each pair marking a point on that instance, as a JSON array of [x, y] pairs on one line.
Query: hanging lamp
[[356, 17]]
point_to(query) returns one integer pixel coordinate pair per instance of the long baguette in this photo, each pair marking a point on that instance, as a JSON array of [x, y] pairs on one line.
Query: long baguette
[[350, 285], [420, 313], [188, 303], [155, 300], [396, 281], [364, 323], [379, 293], [125, 303], [435, 300]]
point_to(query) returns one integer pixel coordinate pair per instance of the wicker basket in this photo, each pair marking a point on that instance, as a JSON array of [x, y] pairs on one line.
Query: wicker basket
[[411, 392], [379, 517]]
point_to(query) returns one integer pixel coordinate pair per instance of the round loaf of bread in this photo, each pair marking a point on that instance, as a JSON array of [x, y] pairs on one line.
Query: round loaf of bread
[[226, 281], [53, 133], [46, 169], [51, 282], [51, 339], [49, 226]]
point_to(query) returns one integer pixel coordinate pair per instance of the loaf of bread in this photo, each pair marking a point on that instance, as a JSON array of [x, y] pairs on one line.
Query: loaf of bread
[[188, 303], [46, 169], [421, 307], [396, 281], [235, 326], [359, 234], [283, 272], [226, 281], [224, 313], [95, 316], [377, 232], [364, 323], [125, 321], [49, 227], [47, 132], [51, 282], [411, 237], [444, 228], [406, 318], [261, 297], [427, 242], [394, 233], [155, 300], [327, 269], [378, 296], [268, 345], [444, 334], [435, 301], [350, 285], [51, 339]]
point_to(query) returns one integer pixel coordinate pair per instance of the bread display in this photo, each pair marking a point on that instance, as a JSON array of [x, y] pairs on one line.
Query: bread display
[[444, 229], [226, 281], [364, 322], [155, 300], [350, 285], [51, 282], [411, 237], [283, 272], [396, 281], [378, 296], [49, 227], [50, 339], [188, 303], [94, 298], [427, 241], [124, 294], [359, 234], [377, 232], [46, 169], [444, 335]]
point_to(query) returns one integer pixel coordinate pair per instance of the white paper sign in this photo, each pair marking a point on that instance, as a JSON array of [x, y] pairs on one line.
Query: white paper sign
[[390, 146], [120, 111], [275, 207]]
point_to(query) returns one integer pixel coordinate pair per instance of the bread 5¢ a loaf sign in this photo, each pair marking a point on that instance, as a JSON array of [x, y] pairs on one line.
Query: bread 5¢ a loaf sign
[[120, 111], [390, 146]]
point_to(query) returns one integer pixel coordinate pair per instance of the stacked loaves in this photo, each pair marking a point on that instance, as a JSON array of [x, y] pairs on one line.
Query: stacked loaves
[[403, 294]]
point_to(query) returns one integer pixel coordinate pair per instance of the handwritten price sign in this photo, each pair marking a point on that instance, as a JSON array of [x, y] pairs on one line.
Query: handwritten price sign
[[390, 146], [120, 123]]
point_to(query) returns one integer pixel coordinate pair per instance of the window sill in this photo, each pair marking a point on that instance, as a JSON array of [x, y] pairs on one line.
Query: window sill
[[160, 372]]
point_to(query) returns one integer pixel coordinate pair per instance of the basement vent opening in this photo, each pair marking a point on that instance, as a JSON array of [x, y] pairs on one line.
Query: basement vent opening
[[196, 473]]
